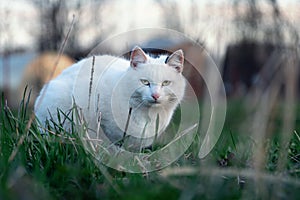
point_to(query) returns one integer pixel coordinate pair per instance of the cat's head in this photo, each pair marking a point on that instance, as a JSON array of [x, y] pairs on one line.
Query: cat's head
[[158, 81]]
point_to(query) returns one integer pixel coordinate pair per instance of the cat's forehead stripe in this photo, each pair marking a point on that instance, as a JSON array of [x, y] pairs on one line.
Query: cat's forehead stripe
[[157, 73], [159, 60]]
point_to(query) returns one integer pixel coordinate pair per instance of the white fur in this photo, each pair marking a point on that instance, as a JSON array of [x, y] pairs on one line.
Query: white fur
[[116, 87]]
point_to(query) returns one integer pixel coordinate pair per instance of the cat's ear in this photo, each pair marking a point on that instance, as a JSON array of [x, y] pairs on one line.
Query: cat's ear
[[137, 56], [176, 60]]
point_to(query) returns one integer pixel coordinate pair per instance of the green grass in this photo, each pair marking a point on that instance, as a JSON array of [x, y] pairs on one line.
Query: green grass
[[34, 166]]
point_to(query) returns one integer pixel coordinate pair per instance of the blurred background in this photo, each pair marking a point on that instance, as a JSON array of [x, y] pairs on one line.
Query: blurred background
[[247, 39]]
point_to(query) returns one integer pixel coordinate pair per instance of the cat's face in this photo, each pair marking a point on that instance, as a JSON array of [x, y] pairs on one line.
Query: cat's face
[[156, 85], [156, 82]]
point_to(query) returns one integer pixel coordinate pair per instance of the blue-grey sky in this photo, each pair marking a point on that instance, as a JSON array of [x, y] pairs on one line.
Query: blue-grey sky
[[20, 27]]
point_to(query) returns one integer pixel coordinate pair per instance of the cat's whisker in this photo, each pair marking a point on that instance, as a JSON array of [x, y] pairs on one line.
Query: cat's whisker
[[141, 104]]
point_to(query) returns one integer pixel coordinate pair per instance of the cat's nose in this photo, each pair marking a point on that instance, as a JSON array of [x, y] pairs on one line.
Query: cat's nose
[[155, 96]]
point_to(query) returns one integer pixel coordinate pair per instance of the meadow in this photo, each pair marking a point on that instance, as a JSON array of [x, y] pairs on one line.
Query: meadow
[[33, 166]]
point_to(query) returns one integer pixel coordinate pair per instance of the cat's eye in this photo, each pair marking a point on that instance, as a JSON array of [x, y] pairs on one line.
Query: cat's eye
[[145, 82], [166, 83]]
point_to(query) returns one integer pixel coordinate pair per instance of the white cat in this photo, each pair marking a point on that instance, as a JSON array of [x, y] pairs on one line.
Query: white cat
[[108, 88]]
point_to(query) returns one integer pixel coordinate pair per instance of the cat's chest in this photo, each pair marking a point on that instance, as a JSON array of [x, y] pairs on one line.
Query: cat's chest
[[147, 122]]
